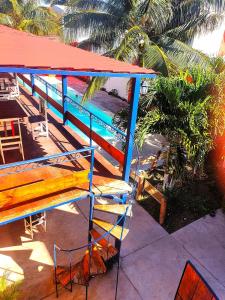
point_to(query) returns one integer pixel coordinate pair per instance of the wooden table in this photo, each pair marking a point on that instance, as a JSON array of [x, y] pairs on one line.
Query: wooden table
[[11, 109]]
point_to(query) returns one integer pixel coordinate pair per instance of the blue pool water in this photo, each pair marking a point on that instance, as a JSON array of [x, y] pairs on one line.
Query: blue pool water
[[79, 113]]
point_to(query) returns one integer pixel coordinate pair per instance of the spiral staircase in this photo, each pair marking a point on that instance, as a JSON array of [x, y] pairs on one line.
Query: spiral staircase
[[99, 254]]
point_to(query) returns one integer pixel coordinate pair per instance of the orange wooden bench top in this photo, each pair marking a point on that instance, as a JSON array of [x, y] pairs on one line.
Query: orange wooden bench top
[[193, 287], [28, 197]]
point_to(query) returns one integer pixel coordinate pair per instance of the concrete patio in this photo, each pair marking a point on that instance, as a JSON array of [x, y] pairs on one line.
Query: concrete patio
[[152, 260]]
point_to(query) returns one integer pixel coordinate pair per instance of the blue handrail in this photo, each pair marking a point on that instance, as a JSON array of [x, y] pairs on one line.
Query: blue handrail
[[104, 235], [25, 162], [73, 102]]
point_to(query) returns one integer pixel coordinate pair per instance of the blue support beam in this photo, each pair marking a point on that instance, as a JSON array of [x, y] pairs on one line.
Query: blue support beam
[[72, 73], [131, 128], [64, 94], [32, 83]]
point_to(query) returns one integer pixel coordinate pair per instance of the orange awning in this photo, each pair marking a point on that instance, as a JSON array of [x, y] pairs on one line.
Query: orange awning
[[24, 50]]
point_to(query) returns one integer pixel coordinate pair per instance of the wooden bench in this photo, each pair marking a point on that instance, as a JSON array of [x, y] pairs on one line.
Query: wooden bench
[[145, 185], [21, 197], [28, 199], [193, 287]]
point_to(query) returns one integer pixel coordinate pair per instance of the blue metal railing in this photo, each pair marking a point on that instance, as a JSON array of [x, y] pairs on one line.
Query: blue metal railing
[[42, 162], [48, 85], [111, 128], [51, 160]]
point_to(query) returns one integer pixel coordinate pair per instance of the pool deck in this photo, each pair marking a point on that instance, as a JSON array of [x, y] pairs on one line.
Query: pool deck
[[107, 103], [152, 260]]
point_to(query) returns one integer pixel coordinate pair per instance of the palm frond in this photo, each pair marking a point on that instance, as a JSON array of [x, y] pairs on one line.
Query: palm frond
[[85, 23], [6, 20], [152, 12], [153, 57], [94, 86], [182, 54]]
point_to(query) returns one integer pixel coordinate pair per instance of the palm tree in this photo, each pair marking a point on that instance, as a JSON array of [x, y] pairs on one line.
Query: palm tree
[[29, 16], [187, 109], [153, 33]]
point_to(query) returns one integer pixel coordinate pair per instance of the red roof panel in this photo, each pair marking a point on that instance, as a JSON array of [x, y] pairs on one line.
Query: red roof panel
[[22, 49]]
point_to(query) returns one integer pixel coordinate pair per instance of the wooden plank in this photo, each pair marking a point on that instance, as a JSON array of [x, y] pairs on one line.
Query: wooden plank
[[117, 209], [108, 185], [112, 187], [64, 276], [116, 231], [106, 249], [202, 292], [96, 266], [117, 154], [12, 197], [153, 192], [97, 262]]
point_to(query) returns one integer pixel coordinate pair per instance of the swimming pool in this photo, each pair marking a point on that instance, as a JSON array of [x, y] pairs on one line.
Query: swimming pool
[[101, 122]]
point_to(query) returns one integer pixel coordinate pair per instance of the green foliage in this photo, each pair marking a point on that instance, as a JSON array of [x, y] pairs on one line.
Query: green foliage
[[29, 16], [9, 291], [152, 33], [188, 110]]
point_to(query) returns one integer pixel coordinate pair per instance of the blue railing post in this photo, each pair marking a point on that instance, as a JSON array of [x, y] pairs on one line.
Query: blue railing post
[[46, 91], [32, 83], [90, 129], [64, 94], [131, 128], [91, 169]]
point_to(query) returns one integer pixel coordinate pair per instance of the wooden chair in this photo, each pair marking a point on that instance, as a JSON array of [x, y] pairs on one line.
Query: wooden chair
[[192, 286], [39, 123], [32, 222], [4, 92], [10, 139]]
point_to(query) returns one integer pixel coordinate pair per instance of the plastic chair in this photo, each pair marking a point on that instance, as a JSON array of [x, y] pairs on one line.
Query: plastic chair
[[33, 221], [39, 123]]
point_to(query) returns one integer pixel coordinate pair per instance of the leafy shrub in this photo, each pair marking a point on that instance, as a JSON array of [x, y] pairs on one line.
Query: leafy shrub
[[9, 291]]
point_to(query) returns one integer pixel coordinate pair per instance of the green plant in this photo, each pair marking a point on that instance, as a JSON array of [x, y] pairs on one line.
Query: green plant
[[152, 33], [29, 16], [188, 110], [9, 291]]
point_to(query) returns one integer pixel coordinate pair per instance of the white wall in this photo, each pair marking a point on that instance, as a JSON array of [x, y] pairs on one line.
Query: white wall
[[210, 42], [120, 84]]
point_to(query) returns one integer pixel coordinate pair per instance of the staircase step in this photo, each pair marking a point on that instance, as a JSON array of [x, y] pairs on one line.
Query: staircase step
[[116, 231], [80, 277], [105, 249], [63, 274], [117, 209], [97, 265]]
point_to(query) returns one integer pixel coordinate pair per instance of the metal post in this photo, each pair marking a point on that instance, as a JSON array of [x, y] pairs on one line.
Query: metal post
[[130, 140], [131, 128], [91, 170], [64, 94], [32, 83], [46, 91], [118, 258], [90, 129], [55, 266]]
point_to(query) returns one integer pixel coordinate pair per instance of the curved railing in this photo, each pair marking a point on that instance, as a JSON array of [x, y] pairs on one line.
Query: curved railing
[[122, 217]]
